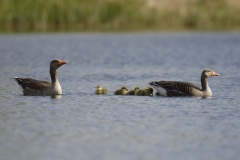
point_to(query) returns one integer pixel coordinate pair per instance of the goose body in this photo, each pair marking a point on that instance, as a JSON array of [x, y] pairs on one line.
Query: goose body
[[132, 92], [122, 91], [33, 87], [101, 90], [177, 88]]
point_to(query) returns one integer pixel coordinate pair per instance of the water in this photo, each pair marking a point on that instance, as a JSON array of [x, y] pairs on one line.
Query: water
[[82, 125]]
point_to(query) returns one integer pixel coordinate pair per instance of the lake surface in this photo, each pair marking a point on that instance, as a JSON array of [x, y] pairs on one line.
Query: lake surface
[[82, 125]]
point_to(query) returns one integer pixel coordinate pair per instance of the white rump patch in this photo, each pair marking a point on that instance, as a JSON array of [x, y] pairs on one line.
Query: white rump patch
[[160, 89]]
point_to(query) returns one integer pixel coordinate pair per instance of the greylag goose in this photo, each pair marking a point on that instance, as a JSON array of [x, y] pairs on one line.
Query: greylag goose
[[32, 87], [101, 90], [176, 88], [122, 91], [132, 92], [148, 91]]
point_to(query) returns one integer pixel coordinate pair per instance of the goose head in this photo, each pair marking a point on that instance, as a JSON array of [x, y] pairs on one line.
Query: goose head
[[124, 88], [209, 73], [55, 64], [99, 88], [136, 88], [150, 90]]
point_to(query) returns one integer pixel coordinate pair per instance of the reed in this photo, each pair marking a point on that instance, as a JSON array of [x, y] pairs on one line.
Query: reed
[[118, 15]]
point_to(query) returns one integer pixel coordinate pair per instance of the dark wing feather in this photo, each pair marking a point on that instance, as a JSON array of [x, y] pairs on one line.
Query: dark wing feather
[[31, 92], [176, 88], [33, 84]]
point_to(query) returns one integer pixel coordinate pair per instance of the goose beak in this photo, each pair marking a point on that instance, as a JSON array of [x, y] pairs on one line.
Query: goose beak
[[62, 62], [215, 74]]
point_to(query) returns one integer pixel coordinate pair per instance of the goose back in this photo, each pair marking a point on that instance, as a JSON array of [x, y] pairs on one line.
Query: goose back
[[176, 88], [33, 84]]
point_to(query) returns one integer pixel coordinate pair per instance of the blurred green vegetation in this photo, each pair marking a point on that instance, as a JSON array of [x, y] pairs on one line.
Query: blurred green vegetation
[[116, 15]]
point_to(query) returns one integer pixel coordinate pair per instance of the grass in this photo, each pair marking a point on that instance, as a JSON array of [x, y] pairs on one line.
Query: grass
[[118, 15]]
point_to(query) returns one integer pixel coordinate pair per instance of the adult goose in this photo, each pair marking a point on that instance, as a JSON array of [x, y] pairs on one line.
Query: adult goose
[[32, 87], [176, 88]]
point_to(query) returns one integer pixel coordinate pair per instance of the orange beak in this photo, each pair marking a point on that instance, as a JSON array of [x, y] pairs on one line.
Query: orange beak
[[215, 74], [62, 62]]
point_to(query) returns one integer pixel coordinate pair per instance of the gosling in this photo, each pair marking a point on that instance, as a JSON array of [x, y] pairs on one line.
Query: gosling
[[122, 91], [132, 92], [148, 91], [101, 90]]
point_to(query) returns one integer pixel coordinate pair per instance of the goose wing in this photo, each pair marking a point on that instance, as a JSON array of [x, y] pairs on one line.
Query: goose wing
[[33, 84], [176, 88], [31, 92]]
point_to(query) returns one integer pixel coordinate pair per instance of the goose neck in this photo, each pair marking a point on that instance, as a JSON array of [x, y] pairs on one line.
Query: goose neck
[[204, 83], [54, 76]]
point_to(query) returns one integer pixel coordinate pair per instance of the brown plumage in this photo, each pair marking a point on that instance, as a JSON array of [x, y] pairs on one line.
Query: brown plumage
[[33, 83], [176, 88], [32, 87]]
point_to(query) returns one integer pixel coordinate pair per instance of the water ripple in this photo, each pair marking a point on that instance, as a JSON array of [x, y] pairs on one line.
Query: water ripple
[[82, 125]]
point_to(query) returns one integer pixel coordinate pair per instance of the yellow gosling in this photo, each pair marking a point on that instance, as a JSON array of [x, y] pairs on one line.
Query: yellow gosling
[[122, 91], [148, 91], [132, 92], [101, 90]]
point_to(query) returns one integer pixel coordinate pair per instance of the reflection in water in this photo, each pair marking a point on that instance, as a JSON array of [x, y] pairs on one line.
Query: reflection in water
[[206, 97], [56, 96]]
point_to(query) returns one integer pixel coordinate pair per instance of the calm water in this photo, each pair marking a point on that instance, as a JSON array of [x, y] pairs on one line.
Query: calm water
[[82, 125]]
